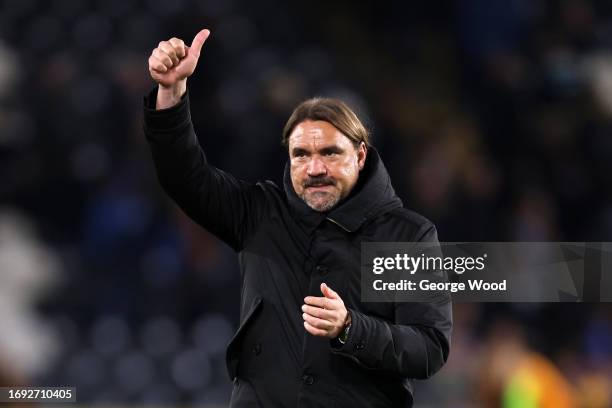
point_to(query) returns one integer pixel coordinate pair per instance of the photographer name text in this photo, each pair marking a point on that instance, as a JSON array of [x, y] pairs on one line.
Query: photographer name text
[[429, 286]]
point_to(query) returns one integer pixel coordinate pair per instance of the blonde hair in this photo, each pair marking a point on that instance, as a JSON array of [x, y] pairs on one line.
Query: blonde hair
[[329, 110]]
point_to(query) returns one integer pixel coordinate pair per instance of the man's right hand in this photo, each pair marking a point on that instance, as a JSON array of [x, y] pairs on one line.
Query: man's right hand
[[170, 64]]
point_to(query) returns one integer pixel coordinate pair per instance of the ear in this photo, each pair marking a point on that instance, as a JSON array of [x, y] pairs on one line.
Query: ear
[[362, 152]]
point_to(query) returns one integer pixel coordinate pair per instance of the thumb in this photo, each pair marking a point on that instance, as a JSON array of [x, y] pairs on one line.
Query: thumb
[[198, 42], [328, 292]]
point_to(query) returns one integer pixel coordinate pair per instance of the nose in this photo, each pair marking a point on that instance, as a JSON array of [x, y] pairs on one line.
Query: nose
[[316, 167]]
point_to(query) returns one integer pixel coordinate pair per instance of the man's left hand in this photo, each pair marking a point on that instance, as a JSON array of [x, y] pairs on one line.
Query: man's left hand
[[325, 316]]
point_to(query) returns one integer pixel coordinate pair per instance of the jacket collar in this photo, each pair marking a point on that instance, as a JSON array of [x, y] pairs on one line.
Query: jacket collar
[[372, 196]]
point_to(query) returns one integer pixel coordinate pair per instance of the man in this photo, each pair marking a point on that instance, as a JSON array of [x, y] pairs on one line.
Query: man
[[305, 338]]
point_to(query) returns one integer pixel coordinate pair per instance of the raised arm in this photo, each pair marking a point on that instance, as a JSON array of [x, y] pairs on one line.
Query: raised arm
[[224, 205]]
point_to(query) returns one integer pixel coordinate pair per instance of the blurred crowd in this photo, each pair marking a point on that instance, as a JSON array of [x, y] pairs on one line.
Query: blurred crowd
[[493, 117]]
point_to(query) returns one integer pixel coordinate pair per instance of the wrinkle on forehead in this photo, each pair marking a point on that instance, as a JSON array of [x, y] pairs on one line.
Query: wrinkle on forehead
[[315, 137], [307, 130], [315, 133]]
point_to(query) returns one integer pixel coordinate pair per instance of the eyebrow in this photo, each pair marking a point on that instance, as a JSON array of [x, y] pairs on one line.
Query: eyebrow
[[298, 151], [326, 150], [331, 149]]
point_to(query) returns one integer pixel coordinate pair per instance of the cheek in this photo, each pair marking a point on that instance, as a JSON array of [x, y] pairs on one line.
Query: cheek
[[296, 178], [350, 169]]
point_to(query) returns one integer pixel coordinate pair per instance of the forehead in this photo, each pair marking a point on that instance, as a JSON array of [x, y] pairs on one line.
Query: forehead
[[317, 133]]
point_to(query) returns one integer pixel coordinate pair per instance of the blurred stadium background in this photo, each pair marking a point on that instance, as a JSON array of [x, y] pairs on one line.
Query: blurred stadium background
[[494, 118]]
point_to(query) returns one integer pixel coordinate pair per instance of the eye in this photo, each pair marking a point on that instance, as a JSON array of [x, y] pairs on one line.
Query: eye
[[299, 153]]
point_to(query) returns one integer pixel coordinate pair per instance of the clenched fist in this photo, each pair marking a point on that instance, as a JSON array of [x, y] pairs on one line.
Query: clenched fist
[[325, 316], [171, 63]]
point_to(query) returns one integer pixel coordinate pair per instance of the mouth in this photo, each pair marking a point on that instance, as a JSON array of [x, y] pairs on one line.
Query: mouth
[[318, 187], [322, 183]]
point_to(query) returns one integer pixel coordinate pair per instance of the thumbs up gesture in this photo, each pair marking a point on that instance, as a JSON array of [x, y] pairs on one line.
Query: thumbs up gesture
[[171, 63], [325, 316]]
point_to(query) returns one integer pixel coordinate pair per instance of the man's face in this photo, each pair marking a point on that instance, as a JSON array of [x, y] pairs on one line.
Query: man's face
[[325, 164]]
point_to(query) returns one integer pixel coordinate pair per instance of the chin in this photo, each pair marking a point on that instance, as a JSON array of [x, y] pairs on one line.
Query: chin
[[322, 205]]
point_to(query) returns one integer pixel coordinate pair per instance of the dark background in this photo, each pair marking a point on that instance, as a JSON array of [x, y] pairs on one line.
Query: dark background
[[493, 118]]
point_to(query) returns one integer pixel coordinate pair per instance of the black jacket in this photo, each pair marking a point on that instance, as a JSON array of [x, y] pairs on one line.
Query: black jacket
[[286, 251]]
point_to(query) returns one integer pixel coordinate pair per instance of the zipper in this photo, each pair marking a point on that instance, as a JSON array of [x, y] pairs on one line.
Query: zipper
[[338, 224]]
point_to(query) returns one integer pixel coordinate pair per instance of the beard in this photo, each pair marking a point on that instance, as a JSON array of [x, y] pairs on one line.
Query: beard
[[320, 200]]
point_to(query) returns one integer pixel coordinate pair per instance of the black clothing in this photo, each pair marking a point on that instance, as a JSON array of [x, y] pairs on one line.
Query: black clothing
[[286, 251]]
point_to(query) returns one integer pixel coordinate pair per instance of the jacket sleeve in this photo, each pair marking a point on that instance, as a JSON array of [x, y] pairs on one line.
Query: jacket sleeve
[[225, 206], [416, 345]]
